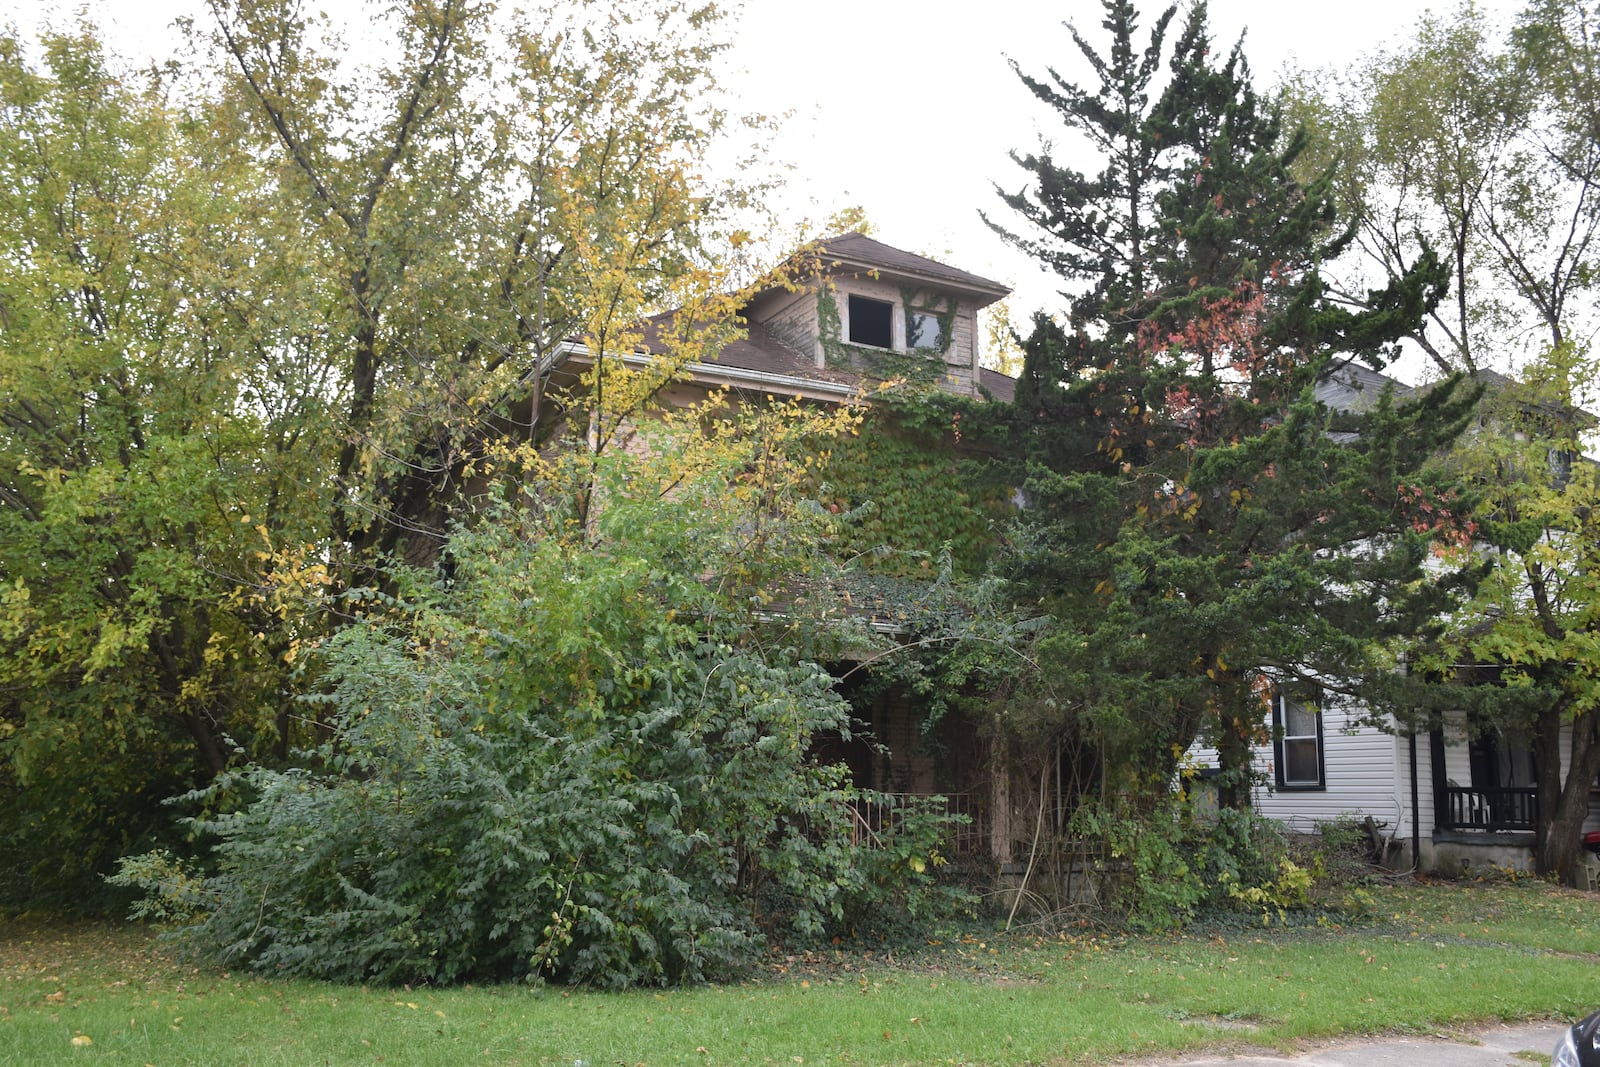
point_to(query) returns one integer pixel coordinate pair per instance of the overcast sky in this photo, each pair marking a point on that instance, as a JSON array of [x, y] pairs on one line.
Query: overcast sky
[[907, 108]]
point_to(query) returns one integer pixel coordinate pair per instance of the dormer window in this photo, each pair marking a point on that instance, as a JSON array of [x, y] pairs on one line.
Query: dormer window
[[871, 322], [922, 330]]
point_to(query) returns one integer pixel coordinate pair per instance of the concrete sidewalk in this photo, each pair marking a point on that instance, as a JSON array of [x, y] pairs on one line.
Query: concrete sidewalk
[[1521, 1045]]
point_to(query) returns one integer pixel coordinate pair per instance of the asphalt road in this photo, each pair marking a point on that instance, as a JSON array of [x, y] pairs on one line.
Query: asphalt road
[[1524, 1045]]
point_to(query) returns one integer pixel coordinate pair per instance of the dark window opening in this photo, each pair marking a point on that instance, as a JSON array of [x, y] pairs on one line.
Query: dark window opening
[[1561, 467], [871, 322]]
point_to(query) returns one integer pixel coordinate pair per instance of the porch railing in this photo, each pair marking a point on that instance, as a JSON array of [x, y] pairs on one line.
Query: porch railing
[[870, 820], [1489, 810]]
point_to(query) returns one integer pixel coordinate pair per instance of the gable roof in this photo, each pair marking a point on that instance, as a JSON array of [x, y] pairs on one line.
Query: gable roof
[[1355, 388]]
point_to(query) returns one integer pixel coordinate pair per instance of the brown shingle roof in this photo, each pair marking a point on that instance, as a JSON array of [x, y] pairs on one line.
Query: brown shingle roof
[[1001, 386], [759, 351], [860, 250], [762, 351]]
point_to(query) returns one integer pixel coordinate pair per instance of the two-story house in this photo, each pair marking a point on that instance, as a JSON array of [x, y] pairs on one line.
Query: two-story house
[[862, 313], [1444, 796]]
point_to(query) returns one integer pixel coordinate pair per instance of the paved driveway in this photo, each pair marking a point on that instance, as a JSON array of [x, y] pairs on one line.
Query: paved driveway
[[1523, 1045]]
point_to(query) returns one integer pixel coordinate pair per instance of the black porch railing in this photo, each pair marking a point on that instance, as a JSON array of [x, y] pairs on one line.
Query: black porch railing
[[1489, 810]]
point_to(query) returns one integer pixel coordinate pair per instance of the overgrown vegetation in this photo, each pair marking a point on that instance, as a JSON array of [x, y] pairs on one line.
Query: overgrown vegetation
[[260, 345], [585, 755], [334, 499], [1204, 530]]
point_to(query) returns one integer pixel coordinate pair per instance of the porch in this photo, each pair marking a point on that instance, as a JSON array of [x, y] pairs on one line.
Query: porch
[[1488, 809], [871, 820]]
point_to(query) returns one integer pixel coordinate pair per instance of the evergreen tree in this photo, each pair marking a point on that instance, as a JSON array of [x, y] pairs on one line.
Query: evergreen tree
[[1098, 229], [1202, 529]]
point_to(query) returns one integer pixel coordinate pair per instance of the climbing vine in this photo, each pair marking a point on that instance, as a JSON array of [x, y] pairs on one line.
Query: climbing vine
[[906, 496], [877, 362]]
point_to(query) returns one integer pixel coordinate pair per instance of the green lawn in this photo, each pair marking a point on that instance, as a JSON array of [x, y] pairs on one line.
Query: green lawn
[[1429, 957]]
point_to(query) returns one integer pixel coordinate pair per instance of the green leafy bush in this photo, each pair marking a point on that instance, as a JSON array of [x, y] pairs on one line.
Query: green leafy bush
[[585, 756], [451, 837], [1155, 885], [1176, 865], [899, 887]]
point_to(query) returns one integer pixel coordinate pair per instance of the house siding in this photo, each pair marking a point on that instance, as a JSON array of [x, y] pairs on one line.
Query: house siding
[[1367, 773], [963, 353], [792, 319], [959, 369]]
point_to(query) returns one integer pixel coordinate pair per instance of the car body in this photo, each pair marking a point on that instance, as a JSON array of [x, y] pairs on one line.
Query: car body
[[1580, 1045]]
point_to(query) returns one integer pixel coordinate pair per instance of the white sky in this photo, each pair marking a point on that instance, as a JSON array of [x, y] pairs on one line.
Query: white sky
[[907, 108]]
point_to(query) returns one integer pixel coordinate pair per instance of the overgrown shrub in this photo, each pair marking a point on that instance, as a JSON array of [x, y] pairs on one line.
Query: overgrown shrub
[[1176, 865], [585, 756], [1347, 849], [452, 836], [899, 888]]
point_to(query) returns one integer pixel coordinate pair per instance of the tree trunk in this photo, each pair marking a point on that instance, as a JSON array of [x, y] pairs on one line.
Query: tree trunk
[[1233, 761], [1564, 801], [1236, 734]]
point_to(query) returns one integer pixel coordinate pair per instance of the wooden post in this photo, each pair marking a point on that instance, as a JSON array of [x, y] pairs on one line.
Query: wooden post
[[999, 801]]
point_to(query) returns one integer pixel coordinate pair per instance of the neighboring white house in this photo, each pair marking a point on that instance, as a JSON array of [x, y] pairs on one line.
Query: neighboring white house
[[1441, 799], [1458, 801]]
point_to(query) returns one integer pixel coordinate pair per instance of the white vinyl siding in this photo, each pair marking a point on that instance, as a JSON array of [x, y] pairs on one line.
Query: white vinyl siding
[[1366, 772]]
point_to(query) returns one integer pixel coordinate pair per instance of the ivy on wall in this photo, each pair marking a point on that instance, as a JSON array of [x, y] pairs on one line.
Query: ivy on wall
[[906, 494], [915, 366], [939, 305]]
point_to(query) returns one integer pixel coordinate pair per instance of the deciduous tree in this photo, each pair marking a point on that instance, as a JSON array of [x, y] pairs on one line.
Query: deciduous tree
[[1531, 634], [1483, 149], [153, 456], [269, 320]]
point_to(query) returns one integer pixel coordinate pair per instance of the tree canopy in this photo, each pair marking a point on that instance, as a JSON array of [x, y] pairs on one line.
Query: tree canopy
[[1202, 528], [1483, 145], [269, 320], [1480, 148]]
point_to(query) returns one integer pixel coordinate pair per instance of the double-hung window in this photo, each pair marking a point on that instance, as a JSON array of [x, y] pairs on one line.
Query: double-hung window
[[1297, 743]]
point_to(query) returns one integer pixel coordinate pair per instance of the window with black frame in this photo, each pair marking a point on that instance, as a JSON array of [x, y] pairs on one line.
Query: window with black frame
[[1297, 743]]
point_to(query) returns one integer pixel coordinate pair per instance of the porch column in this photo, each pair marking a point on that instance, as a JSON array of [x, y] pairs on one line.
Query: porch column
[[999, 802]]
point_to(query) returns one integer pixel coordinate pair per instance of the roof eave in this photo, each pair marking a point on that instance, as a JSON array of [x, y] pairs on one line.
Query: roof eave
[[989, 293], [730, 376]]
